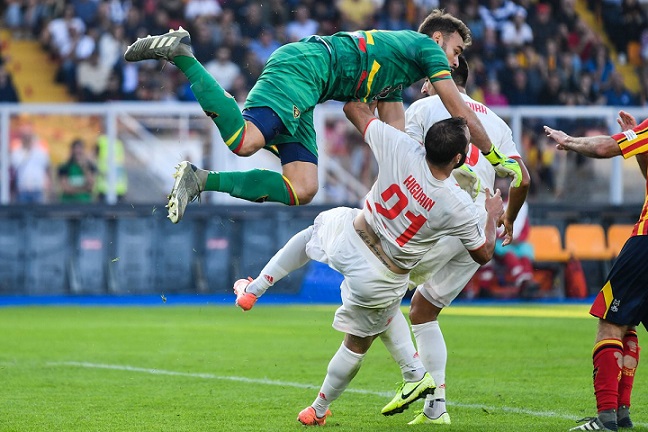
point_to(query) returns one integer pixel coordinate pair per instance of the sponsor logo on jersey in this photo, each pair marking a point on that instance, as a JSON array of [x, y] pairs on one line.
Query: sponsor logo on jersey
[[296, 112], [269, 278]]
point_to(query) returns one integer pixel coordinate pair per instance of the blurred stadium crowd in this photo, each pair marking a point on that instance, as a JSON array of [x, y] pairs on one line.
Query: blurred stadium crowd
[[524, 52]]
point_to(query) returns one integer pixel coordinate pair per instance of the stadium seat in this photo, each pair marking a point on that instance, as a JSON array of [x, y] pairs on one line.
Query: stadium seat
[[616, 237], [547, 244], [587, 242]]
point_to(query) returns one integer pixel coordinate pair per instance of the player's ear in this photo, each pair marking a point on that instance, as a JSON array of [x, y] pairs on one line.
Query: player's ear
[[437, 37]]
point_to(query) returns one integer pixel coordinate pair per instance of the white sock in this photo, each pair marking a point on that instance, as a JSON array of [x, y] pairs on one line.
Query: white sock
[[398, 341], [434, 355], [344, 365], [289, 258]]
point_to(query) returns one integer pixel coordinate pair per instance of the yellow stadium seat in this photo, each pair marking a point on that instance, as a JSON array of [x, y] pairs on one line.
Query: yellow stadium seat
[[617, 235], [587, 242], [547, 244]]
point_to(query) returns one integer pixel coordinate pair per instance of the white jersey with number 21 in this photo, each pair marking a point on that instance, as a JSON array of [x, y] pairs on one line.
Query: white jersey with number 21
[[408, 208]]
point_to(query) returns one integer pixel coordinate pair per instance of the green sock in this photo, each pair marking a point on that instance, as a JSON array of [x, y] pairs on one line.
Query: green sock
[[216, 102], [258, 185]]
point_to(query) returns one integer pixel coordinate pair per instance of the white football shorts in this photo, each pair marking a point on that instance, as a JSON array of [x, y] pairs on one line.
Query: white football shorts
[[371, 293], [444, 271]]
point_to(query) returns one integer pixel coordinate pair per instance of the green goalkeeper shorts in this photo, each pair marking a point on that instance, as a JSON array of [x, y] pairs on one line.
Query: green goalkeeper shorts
[[292, 83]]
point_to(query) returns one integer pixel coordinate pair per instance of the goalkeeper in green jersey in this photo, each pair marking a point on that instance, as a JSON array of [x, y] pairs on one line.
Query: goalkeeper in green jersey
[[278, 114]]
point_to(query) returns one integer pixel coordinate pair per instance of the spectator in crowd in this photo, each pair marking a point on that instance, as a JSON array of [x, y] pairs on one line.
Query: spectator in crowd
[[121, 178], [57, 36], [30, 168], [497, 12], [202, 41], [520, 93], [516, 32], [224, 68], [618, 94], [393, 16], [8, 91], [493, 95], [201, 8], [265, 45], [544, 27], [87, 10], [356, 14], [552, 91], [77, 175], [302, 25], [92, 79], [253, 20], [600, 67]]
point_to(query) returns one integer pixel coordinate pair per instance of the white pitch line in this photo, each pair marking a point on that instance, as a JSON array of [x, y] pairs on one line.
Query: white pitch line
[[265, 381]]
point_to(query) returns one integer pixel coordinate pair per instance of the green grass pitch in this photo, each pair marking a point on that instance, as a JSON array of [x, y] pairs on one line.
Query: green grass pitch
[[214, 368]]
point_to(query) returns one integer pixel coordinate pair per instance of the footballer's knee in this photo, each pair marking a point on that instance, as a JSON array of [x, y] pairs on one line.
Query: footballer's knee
[[302, 177], [252, 141], [422, 311], [305, 195]]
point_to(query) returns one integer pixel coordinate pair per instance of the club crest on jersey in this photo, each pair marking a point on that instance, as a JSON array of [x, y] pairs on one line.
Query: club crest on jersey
[[296, 112]]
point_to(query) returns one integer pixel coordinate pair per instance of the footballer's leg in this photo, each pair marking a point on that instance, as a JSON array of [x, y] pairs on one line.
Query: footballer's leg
[[342, 368], [175, 46], [630, 361], [288, 259], [416, 381], [434, 355]]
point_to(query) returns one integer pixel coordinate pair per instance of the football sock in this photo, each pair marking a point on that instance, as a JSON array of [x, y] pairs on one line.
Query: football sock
[[398, 341], [258, 185], [606, 356], [434, 356], [289, 258], [216, 102], [630, 360], [341, 369]]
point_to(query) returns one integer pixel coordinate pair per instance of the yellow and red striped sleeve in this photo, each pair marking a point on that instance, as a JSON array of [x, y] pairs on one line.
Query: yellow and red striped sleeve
[[633, 142]]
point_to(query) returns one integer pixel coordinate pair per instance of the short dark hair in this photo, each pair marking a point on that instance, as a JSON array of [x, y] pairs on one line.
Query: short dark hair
[[460, 73], [445, 139], [439, 20]]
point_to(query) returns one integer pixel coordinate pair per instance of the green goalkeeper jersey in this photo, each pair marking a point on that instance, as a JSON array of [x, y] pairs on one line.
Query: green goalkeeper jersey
[[362, 66], [376, 64]]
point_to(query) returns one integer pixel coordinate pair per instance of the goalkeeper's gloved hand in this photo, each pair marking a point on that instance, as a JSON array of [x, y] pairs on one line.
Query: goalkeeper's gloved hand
[[504, 167], [467, 180]]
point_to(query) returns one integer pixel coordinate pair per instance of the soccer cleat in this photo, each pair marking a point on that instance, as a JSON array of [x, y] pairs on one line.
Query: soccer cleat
[[623, 417], [163, 47], [308, 417], [407, 393], [244, 300], [422, 418], [186, 189], [606, 421]]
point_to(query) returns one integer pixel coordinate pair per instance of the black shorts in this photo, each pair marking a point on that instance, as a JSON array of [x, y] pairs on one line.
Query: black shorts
[[623, 300]]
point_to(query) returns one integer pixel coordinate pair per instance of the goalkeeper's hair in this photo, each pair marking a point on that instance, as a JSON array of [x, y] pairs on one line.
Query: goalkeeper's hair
[[445, 139], [439, 20]]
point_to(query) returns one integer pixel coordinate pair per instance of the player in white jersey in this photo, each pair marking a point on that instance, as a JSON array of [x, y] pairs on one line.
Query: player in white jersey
[[447, 267], [413, 203]]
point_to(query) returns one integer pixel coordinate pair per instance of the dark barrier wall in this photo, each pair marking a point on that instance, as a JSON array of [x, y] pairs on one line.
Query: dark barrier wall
[[53, 250], [126, 249]]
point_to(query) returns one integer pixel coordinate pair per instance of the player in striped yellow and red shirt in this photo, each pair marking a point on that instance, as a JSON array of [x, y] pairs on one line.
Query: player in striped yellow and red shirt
[[622, 303]]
